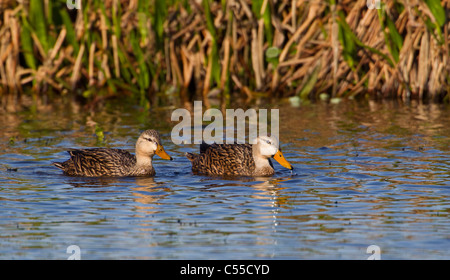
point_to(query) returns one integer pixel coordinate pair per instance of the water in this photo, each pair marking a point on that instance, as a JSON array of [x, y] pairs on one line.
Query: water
[[365, 174]]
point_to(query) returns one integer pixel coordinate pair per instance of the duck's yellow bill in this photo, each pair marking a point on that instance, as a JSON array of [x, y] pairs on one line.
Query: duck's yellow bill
[[160, 152], [282, 160]]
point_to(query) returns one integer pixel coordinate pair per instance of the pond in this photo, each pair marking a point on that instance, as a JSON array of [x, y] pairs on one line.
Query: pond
[[366, 173]]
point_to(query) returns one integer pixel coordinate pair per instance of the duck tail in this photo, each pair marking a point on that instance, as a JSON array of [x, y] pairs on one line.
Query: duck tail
[[190, 156], [58, 164]]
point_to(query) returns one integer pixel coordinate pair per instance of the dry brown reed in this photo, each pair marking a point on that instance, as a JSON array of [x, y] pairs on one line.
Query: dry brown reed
[[273, 48]]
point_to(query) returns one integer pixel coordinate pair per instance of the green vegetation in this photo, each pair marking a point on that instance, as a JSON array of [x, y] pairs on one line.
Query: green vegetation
[[145, 49]]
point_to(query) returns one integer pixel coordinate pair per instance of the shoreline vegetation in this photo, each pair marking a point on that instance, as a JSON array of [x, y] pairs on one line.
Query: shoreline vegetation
[[158, 51]]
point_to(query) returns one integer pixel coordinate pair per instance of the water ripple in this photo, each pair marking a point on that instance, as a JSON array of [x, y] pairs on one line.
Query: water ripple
[[384, 182]]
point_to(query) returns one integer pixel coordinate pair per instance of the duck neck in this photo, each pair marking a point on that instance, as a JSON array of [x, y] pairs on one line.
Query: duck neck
[[261, 161], [143, 160]]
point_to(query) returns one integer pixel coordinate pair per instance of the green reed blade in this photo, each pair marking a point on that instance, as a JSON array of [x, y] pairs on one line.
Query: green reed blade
[[87, 8], [116, 12], [310, 83], [439, 14], [347, 40], [49, 13], [346, 28], [208, 18], [143, 75], [396, 41], [70, 35], [124, 71], [37, 20], [27, 43], [142, 26], [393, 32], [267, 18], [437, 10], [159, 18], [214, 55], [125, 68], [52, 28], [125, 63], [393, 40]]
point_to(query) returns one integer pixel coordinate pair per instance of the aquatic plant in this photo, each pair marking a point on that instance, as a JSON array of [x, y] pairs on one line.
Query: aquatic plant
[[236, 47]]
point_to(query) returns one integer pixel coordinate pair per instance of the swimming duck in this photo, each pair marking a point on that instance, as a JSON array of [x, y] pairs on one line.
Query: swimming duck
[[115, 162], [238, 159]]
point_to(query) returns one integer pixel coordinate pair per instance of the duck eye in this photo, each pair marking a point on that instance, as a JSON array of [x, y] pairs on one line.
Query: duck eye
[[149, 139], [268, 142]]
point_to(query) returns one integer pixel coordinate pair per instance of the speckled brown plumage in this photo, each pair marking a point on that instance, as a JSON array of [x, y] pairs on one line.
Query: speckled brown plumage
[[115, 162], [227, 159], [102, 162]]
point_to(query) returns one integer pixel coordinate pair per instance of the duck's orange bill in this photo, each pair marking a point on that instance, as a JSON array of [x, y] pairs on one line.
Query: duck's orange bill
[[282, 160], [160, 152]]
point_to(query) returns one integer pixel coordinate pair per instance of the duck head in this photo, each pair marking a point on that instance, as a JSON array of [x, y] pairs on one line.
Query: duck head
[[149, 144], [268, 147]]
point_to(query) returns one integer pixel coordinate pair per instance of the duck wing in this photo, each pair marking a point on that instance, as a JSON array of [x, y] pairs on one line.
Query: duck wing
[[98, 162], [223, 159]]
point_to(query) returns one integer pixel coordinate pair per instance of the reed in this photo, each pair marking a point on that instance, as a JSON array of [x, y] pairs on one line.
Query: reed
[[200, 48]]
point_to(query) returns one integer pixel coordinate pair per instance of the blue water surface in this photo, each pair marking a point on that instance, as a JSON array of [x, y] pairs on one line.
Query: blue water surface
[[365, 174]]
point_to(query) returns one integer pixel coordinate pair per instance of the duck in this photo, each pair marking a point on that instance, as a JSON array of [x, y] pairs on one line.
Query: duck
[[101, 162], [239, 159]]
